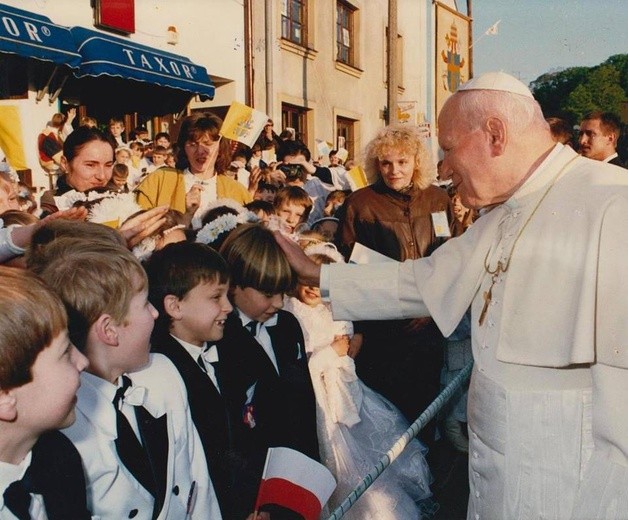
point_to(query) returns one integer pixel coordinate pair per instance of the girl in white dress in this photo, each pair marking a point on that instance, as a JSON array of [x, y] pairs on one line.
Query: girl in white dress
[[356, 425]]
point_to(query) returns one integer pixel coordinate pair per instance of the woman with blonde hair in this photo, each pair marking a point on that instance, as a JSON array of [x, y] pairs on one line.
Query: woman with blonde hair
[[402, 215]]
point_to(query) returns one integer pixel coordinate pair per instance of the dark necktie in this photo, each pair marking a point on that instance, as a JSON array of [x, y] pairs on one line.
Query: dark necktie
[[17, 498], [252, 326], [129, 448]]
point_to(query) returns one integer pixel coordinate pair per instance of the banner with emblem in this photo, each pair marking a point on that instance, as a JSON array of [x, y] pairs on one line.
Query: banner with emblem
[[243, 124], [452, 52]]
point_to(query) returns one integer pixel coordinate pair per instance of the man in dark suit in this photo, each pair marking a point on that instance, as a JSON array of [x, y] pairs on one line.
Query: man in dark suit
[[599, 132]]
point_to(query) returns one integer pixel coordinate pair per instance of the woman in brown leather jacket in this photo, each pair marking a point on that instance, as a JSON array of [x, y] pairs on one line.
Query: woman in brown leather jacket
[[403, 216]]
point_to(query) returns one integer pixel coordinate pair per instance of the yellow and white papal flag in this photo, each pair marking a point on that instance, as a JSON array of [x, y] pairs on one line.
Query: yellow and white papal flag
[[243, 124]]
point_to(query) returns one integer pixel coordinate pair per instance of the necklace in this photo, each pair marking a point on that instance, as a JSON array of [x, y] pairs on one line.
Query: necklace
[[502, 266]]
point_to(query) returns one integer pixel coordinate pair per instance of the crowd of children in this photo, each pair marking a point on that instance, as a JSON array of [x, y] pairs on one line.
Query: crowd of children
[[171, 357]]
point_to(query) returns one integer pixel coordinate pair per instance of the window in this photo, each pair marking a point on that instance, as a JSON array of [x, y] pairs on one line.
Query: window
[[294, 117], [294, 21], [345, 129], [345, 34], [14, 77]]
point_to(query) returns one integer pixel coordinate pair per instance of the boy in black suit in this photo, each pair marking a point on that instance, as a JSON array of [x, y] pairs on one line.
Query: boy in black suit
[[40, 470], [188, 284], [280, 406]]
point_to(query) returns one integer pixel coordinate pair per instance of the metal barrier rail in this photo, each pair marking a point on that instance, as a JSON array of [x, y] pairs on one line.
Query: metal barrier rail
[[391, 455]]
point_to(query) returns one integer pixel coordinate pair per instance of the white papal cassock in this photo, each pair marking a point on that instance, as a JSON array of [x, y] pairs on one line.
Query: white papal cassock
[[548, 403]]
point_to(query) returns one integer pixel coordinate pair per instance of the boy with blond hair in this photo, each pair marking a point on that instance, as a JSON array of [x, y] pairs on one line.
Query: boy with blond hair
[[293, 206], [40, 471], [141, 453]]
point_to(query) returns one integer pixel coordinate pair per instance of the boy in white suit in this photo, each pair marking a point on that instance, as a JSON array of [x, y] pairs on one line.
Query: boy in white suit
[[40, 470], [141, 453]]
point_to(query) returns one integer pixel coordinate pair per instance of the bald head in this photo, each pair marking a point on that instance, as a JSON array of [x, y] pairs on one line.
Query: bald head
[[492, 139]]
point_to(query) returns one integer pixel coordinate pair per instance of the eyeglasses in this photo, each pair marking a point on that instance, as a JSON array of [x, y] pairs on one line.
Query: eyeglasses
[[205, 145]]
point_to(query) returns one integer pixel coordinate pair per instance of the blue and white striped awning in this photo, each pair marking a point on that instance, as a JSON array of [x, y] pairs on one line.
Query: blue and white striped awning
[[34, 36], [106, 55]]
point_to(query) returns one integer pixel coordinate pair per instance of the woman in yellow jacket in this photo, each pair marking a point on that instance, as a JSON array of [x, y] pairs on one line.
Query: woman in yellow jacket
[[202, 156]]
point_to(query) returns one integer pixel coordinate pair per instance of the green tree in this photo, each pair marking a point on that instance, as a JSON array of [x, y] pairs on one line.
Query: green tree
[[620, 62], [552, 88], [600, 91], [574, 91]]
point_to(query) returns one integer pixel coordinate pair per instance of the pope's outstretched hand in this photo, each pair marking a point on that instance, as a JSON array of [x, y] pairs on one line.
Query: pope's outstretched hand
[[308, 272]]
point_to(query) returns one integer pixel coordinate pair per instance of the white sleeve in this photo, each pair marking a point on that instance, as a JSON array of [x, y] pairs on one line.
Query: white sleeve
[[7, 248], [602, 492], [442, 285]]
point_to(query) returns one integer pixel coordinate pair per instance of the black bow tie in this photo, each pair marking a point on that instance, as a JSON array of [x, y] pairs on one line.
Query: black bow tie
[[17, 497]]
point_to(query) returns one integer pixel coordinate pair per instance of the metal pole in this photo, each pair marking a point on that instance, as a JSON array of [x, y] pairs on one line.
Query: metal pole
[[470, 15], [391, 455], [268, 25], [249, 95], [393, 76]]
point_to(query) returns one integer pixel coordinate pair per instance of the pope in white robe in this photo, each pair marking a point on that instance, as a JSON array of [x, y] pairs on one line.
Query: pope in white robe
[[545, 272]]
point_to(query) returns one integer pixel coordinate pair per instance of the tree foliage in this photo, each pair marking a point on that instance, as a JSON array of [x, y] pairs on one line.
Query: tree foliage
[[575, 91]]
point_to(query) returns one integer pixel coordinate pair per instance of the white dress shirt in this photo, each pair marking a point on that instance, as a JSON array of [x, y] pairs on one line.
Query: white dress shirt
[[262, 336], [208, 355]]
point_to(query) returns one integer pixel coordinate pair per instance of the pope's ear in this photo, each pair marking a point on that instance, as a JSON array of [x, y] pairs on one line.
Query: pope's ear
[[8, 405], [496, 130], [172, 306]]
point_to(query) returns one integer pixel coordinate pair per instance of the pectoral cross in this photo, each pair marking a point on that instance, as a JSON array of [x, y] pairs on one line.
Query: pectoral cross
[[488, 295]]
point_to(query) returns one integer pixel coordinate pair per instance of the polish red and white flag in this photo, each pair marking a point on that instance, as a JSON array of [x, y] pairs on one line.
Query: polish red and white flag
[[296, 482]]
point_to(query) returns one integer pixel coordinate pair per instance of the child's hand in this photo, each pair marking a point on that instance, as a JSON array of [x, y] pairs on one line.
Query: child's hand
[[355, 344], [259, 516], [254, 179], [341, 345], [276, 175]]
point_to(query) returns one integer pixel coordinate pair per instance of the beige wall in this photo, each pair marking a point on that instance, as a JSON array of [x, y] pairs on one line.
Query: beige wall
[[315, 80]]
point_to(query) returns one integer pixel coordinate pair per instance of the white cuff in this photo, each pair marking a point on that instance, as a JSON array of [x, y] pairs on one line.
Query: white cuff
[[8, 249], [324, 283]]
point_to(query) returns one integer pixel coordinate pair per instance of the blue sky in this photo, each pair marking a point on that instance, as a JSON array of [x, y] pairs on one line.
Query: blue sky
[[536, 36]]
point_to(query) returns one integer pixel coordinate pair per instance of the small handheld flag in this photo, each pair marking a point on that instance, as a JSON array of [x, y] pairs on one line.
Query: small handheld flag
[[296, 482], [243, 124]]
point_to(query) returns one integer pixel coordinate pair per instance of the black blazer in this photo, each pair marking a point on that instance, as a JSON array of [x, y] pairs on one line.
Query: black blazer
[[56, 472], [283, 404], [216, 417], [617, 162]]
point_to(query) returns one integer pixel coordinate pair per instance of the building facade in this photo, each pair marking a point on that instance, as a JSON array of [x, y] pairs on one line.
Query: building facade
[[207, 35], [318, 66]]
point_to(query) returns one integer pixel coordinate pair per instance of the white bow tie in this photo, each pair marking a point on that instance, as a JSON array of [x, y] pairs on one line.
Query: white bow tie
[[135, 396], [210, 354]]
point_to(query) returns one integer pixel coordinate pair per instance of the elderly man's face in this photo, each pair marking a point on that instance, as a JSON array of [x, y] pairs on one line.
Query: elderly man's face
[[466, 159]]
